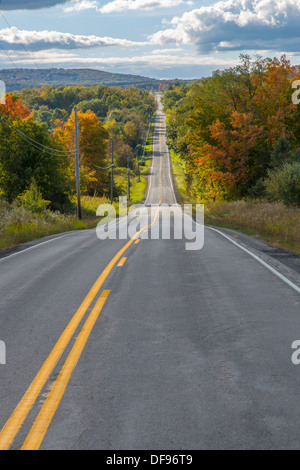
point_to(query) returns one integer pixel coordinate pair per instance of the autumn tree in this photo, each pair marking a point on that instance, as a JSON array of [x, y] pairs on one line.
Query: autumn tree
[[14, 108], [273, 101], [25, 155], [93, 140], [227, 167], [226, 126]]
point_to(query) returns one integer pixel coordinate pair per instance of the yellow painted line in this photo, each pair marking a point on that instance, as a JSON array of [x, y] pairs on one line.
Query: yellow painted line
[[122, 262], [137, 241], [44, 418], [17, 418], [14, 423]]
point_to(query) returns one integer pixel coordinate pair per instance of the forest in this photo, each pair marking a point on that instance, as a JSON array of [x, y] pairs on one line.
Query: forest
[[17, 79], [37, 155], [235, 146], [38, 120], [238, 132]]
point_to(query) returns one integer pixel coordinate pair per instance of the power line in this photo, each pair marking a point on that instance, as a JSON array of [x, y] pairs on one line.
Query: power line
[[23, 45], [100, 167], [51, 150], [34, 143], [6, 53]]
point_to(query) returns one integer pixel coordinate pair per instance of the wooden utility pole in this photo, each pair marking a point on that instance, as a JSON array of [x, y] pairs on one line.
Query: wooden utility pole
[[128, 175], [112, 173], [79, 212]]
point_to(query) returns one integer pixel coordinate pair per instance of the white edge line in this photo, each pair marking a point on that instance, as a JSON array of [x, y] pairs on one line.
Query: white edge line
[[35, 246], [266, 265], [257, 258]]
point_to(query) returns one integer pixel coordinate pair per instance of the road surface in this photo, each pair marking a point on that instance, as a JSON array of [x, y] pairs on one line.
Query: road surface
[[168, 349]]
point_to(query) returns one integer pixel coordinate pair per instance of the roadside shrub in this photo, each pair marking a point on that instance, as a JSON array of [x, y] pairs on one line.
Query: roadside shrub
[[33, 200], [283, 184]]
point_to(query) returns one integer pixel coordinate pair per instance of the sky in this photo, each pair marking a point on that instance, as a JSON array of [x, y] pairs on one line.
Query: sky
[[155, 38]]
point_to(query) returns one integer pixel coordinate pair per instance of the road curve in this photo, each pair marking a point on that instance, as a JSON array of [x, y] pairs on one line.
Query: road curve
[[115, 344]]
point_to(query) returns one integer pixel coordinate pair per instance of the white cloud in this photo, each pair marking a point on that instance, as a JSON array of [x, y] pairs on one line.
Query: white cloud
[[39, 40], [126, 5], [237, 25], [165, 51], [81, 5], [157, 60]]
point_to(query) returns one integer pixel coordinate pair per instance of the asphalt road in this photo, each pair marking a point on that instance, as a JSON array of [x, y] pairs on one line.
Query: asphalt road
[[174, 349]]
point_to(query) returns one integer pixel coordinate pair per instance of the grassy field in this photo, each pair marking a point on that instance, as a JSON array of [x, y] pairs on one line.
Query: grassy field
[[137, 188], [275, 223], [20, 225]]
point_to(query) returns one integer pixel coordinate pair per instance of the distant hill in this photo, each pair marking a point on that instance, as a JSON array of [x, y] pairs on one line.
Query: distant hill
[[17, 79]]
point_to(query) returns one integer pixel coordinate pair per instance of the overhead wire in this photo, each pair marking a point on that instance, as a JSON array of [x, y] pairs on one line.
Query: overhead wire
[[22, 44], [6, 53], [35, 143]]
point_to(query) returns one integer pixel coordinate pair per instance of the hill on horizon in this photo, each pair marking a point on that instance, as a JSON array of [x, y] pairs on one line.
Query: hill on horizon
[[17, 79]]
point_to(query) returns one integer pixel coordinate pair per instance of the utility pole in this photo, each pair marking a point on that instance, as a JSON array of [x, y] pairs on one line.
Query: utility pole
[[139, 173], [112, 173], [128, 175], [79, 213], [138, 165]]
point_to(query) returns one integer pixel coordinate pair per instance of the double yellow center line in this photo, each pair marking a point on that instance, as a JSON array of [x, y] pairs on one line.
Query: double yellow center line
[[43, 420]]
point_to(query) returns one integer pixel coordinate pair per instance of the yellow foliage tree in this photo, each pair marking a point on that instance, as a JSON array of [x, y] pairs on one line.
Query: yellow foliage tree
[[93, 141]]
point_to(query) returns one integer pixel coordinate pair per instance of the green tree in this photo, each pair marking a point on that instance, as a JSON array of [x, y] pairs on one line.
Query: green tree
[[21, 160]]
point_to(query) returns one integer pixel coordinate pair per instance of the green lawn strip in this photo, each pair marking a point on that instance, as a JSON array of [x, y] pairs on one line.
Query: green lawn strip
[[179, 176]]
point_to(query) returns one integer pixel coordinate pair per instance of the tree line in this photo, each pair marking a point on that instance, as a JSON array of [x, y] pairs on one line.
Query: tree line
[[238, 132], [37, 138]]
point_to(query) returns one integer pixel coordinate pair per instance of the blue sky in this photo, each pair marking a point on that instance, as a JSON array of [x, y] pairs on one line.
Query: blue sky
[[155, 38]]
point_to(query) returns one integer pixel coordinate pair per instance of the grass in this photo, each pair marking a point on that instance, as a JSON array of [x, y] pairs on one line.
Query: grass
[[274, 223], [137, 188], [179, 175], [149, 146], [19, 225]]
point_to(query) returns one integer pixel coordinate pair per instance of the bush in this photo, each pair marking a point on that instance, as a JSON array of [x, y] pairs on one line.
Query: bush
[[283, 184], [258, 190], [33, 200]]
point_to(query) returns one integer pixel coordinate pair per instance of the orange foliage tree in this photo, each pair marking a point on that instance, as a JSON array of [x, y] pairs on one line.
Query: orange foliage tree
[[273, 101], [227, 166], [14, 108]]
